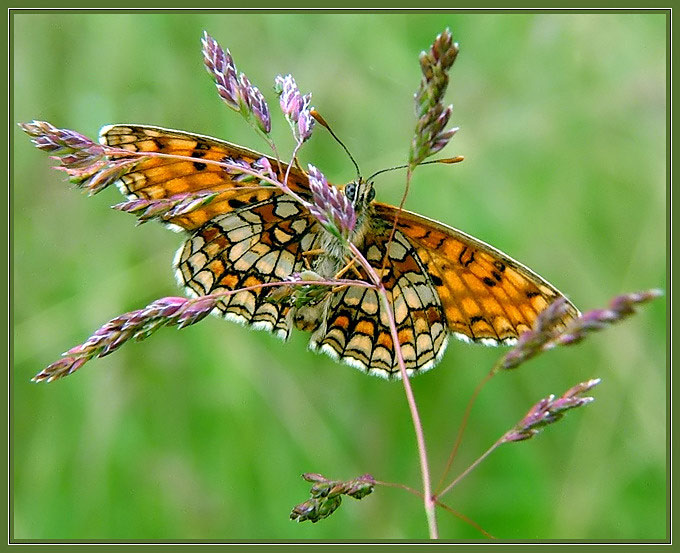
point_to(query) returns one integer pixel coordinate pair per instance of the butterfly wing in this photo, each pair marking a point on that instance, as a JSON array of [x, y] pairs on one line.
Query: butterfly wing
[[356, 329], [164, 176], [486, 296], [258, 243], [250, 234]]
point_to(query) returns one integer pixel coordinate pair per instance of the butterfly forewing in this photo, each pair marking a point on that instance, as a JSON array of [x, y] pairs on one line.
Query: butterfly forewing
[[486, 295], [189, 164]]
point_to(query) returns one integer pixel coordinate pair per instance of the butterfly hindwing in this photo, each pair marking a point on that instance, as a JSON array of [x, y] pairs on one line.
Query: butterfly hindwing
[[356, 329], [259, 243]]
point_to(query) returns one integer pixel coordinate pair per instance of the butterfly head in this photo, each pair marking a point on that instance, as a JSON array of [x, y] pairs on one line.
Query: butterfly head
[[360, 192]]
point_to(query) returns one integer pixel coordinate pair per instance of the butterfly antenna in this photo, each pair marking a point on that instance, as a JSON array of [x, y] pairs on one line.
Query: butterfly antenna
[[324, 124], [447, 160]]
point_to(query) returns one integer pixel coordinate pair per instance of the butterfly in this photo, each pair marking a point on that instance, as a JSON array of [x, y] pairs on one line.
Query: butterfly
[[439, 280]]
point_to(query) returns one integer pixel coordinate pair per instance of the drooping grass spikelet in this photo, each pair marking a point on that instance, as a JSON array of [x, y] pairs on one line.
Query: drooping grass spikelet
[[620, 307], [544, 336], [326, 495], [166, 208], [139, 324], [550, 410], [233, 87], [86, 162], [329, 205], [295, 107]]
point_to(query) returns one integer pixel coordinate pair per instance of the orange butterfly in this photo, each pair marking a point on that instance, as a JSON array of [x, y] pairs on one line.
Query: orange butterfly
[[439, 280]]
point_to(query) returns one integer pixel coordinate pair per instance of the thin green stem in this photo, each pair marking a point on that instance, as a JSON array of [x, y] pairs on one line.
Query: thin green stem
[[409, 489], [292, 160], [462, 517], [409, 174], [439, 503], [462, 427], [428, 498], [471, 467], [267, 139]]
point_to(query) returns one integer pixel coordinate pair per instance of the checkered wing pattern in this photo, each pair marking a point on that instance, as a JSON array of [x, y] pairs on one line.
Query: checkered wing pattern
[[356, 329], [486, 296], [255, 244], [248, 235], [161, 177], [439, 281]]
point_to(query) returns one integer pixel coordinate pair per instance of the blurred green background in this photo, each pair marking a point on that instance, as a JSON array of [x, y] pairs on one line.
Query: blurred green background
[[203, 433]]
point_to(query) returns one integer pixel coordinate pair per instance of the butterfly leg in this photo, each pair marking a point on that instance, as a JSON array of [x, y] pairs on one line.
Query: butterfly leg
[[311, 253], [350, 265]]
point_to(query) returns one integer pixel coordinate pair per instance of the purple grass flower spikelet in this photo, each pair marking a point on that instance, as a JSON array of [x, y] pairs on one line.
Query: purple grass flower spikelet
[[318, 186], [221, 67], [88, 164], [260, 109], [244, 93], [265, 167], [237, 167], [139, 324], [547, 333], [532, 342], [550, 410], [330, 206], [295, 107], [241, 170], [166, 208], [48, 138], [74, 149], [305, 121], [290, 98], [233, 87], [430, 135], [620, 307], [305, 124]]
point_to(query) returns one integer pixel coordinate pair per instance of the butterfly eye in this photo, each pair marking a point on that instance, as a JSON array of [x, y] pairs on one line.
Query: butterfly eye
[[371, 195], [350, 190]]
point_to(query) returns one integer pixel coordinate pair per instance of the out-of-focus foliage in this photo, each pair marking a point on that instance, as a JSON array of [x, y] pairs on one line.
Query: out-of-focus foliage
[[203, 433]]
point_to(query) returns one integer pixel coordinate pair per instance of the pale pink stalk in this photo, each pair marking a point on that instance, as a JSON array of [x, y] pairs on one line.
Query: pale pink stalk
[[428, 498]]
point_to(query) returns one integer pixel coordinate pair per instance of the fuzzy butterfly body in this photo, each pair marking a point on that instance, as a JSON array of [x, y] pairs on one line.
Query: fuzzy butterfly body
[[439, 280]]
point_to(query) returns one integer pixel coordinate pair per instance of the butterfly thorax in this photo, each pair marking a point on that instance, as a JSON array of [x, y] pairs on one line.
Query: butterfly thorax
[[336, 254], [361, 194], [335, 251]]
